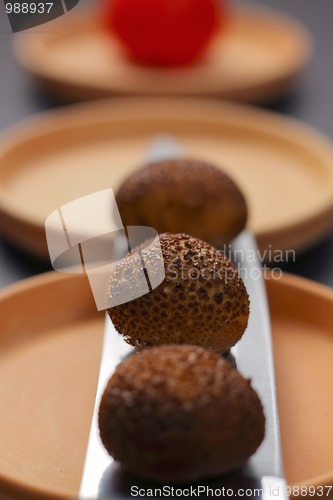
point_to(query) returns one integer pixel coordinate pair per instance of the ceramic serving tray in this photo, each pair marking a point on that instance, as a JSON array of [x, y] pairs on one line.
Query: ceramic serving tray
[[258, 56], [285, 169], [50, 348]]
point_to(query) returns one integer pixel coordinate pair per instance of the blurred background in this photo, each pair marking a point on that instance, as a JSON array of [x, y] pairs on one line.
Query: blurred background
[[311, 103]]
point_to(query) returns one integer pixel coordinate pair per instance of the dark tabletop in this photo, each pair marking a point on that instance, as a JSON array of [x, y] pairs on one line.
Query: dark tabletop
[[312, 103]]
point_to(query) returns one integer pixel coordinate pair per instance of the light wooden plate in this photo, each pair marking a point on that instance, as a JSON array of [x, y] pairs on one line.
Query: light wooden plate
[[284, 168], [259, 56], [50, 345]]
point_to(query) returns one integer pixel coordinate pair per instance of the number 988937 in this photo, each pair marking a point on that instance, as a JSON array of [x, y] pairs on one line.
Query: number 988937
[[29, 7]]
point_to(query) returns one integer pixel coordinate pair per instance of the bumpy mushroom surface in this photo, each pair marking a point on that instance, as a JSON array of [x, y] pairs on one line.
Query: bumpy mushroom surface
[[202, 300], [180, 413], [184, 196]]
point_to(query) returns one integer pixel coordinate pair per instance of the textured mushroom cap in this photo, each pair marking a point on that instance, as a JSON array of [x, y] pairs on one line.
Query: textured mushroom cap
[[184, 196], [202, 300], [180, 413]]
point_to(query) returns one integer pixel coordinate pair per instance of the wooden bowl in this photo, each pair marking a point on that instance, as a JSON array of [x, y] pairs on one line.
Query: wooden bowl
[[50, 346], [284, 169], [259, 56]]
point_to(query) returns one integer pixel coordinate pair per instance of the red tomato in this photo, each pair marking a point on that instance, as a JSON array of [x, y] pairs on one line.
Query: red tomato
[[163, 32]]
